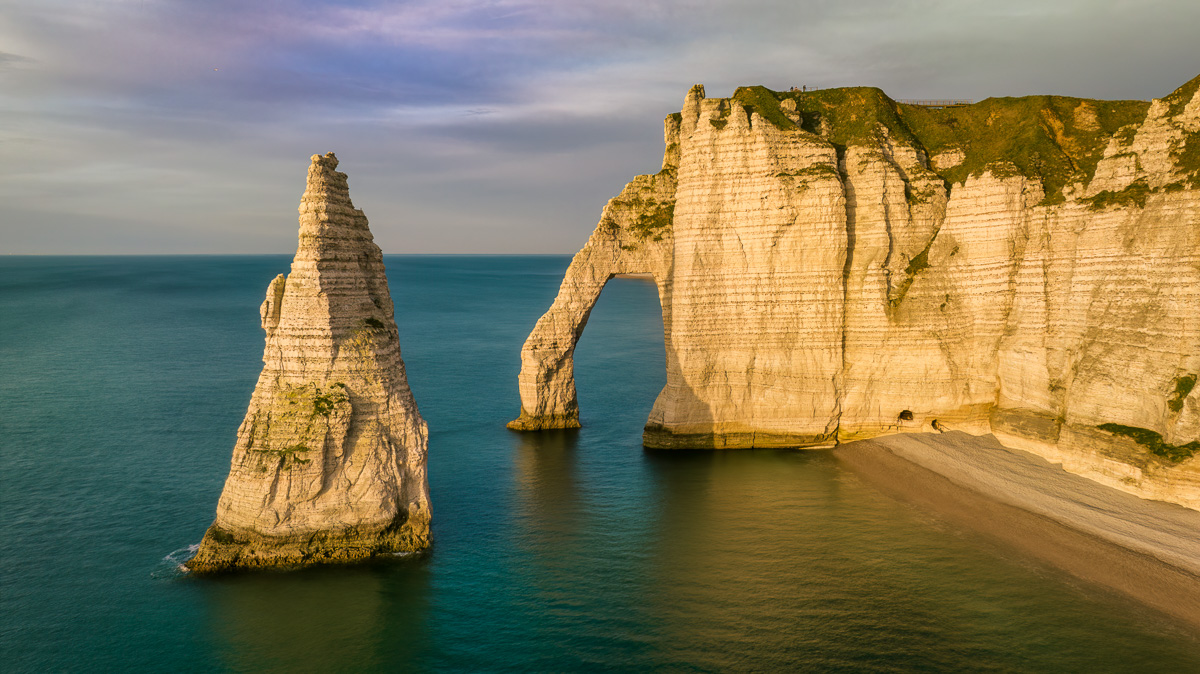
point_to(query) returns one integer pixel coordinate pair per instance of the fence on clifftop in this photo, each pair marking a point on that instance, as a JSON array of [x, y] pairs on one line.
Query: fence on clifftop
[[947, 103]]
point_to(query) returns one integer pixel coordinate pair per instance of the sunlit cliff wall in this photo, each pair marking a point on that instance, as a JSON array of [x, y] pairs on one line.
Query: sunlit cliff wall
[[833, 266]]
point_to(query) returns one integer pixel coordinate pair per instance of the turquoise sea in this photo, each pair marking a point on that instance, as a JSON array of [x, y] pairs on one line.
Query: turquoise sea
[[122, 384]]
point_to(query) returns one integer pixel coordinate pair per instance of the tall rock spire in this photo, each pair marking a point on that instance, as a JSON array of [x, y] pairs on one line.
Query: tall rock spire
[[329, 463]]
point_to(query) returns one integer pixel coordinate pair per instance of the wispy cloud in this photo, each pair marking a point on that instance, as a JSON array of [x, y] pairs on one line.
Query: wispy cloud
[[11, 60], [504, 124]]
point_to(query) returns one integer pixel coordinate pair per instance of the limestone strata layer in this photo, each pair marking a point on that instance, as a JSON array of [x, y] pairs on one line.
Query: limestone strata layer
[[329, 464], [834, 266]]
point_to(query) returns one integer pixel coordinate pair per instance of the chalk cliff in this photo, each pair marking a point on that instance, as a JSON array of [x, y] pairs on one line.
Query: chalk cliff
[[834, 265], [329, 463]]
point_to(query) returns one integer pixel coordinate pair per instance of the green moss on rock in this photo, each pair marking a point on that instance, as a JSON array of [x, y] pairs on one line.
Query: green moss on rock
[[224, 551], [813, 171], [918, 264], [653, 218], [1133, 195], [641, 207], [1183, 386], [291, 455], [325, 403], [530, 422], [1153, 442], [917, 197], [1187, 160]]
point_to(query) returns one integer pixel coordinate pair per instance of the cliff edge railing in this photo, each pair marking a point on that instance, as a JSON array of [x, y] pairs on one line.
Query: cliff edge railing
[[937, 103]]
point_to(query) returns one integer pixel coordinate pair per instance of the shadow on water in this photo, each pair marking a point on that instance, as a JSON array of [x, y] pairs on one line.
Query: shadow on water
[[547, 485], [744, 555], [320, 619], [580, 571]]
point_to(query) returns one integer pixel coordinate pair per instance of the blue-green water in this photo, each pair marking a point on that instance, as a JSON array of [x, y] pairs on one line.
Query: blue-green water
[[123, 381]]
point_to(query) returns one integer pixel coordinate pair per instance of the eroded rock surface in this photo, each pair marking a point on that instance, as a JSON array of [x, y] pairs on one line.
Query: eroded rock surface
[[834, 266], [329, 463]]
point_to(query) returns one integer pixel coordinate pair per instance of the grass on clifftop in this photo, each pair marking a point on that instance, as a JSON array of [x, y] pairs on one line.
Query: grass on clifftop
[[1056, 139], [766, 103], [1179, 98], [850, 115]]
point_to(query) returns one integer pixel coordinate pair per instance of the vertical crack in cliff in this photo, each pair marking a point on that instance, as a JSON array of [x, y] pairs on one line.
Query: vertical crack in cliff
[[848, 204]]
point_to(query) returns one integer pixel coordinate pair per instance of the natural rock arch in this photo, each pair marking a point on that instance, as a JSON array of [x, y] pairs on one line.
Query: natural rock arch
[[822, 271], [634, 236], [547, 379]]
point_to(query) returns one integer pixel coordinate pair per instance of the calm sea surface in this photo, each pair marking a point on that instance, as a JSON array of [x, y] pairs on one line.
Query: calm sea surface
[[122, 384]]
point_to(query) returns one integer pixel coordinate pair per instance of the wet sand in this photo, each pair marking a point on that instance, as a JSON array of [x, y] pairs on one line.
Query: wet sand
[[1146, 550]]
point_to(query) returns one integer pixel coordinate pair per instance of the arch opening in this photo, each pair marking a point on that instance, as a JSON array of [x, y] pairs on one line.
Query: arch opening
[[620, 358]]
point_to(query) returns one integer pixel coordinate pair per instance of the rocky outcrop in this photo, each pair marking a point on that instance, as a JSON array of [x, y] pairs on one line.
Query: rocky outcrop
[[834, 265], [329, 463]]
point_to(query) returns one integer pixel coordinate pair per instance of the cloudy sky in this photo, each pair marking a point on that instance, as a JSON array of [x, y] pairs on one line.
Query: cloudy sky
[[468, 126]]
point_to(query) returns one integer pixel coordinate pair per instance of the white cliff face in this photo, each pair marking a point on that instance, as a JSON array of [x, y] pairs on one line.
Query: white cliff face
[[759, 247], [329, 463], [831, 284]]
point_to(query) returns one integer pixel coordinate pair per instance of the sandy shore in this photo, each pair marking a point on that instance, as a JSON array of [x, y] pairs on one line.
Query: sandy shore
[[1147, 550]]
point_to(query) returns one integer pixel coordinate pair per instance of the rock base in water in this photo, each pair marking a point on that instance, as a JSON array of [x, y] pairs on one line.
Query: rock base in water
[[243, 550], [529, 422]]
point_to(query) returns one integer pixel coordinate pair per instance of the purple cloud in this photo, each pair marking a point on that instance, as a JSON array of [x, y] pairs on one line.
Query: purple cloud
[[503, 123]]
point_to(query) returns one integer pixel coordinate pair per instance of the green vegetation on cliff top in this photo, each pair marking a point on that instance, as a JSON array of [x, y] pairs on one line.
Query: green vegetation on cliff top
[[1179, 98], [1055, 139], [851, 115], [766, 103]]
